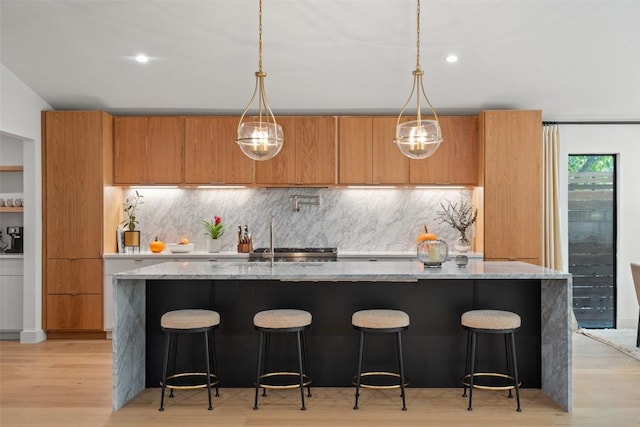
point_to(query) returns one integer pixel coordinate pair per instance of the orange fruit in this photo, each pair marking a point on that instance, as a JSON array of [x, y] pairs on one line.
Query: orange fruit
[[184, 241]]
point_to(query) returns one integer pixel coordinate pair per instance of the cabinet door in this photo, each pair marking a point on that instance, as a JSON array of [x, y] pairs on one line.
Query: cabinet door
[[235, 166], [355, 150], [148, 150], [73, 192], [282, 168], [166, 146], [211, 154], [74, 276], [315, 150], [512, 144], [456, 160], [74, 312], [131, 150], [390, 166]]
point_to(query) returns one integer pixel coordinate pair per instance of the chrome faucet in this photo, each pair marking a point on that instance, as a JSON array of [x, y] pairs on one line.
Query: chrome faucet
[[271, 251]]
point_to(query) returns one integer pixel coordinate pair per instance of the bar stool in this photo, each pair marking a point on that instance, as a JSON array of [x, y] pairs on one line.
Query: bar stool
[[386, 322], [282, 321], [491, 322], [178, 322]]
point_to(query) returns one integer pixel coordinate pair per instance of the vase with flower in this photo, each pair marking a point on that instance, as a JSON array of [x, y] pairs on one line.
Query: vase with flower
[[460, 215], [215, 230]]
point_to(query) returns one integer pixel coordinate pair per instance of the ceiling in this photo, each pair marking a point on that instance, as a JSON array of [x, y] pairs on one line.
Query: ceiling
[[575, 60]]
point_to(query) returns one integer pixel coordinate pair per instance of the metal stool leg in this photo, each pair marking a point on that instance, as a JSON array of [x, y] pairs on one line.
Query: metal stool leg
[[212, 341], [164, 369], [306, 360], [507, 350], [265, 358], [515, 369], [466, 363], [173, 357], [471, 371], [301, 370], [400, 360], [359, 368], [206, 356], [261, 341]]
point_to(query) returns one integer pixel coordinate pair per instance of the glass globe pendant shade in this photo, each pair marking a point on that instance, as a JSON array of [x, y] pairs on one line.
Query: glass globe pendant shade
[[260, 140], [418, 139]]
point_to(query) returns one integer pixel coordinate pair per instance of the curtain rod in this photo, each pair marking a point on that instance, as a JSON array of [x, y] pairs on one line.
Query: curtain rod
[[629, 122]]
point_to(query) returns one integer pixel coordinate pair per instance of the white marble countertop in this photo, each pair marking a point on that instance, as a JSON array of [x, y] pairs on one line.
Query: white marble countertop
[[231, 255], [394, 271]]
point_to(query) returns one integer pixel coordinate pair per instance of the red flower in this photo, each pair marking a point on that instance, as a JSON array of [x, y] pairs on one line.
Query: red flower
[[218, 220]]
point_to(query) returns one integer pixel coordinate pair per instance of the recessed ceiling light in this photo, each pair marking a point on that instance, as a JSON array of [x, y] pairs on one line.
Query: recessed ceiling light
[[143, 59], [452, 58]]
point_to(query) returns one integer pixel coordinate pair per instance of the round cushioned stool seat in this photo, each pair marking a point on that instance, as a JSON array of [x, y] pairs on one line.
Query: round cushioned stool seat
[[189, 319], [490, 319], [380, 319], [282, 319]]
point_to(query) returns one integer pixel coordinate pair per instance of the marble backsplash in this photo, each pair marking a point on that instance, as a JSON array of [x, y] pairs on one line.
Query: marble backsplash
[[351, 219]]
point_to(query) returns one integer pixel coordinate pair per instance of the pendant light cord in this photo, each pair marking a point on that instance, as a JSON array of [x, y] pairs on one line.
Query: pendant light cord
[[260, 35], [417, 36]]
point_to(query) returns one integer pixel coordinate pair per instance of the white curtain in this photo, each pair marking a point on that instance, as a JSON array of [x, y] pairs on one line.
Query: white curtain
[[552, 248]]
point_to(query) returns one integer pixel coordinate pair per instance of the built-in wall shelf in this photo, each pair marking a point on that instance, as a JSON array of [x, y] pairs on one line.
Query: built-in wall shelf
[[11, 168], [11, 209]]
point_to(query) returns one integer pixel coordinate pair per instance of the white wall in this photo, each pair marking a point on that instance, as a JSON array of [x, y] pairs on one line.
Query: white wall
[[624, 142], [20, 109]]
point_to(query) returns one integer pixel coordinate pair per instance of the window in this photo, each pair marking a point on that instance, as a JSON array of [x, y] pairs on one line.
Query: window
[[592, 243]]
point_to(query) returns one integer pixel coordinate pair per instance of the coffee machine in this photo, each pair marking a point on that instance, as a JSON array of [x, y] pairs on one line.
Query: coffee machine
[[16, 240]]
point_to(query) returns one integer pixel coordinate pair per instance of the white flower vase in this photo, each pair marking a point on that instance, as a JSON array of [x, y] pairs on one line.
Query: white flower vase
[[462, 244], [213, 245]]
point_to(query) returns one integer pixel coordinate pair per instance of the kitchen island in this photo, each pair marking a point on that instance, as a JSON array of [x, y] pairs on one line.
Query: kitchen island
[[434, 298]]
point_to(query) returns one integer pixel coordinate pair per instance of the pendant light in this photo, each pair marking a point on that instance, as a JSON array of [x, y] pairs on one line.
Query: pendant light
[[419, 138], [261, 138]]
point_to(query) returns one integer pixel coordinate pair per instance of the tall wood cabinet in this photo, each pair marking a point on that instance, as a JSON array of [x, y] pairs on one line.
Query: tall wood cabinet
[[308, 155], [80, 211], [211, 155], [149, 149], [511, 166]]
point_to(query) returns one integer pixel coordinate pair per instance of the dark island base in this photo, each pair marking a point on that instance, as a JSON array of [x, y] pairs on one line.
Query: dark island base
[[434, 345]]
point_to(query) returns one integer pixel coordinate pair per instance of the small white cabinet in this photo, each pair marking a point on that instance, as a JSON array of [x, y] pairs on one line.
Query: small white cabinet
[[11, 296]]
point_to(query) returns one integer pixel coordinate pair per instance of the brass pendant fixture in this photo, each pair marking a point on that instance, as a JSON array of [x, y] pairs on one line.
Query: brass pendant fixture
[[261, 138], [419, 138]]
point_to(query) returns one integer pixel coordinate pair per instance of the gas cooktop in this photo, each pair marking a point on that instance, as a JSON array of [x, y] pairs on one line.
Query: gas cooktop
[[295, 254]]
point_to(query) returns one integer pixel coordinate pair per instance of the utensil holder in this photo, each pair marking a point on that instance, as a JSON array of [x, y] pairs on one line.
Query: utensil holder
[[245, 248]]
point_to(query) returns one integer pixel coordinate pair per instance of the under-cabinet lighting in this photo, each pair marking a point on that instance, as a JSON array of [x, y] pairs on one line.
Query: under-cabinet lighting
[[452, 58], [220, 187], [440, 187], [152, 187], [371, 187], [142, 58]]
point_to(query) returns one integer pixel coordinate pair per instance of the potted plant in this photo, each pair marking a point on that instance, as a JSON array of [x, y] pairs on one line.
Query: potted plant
[[130, 205], [460, 216], [215, 230]]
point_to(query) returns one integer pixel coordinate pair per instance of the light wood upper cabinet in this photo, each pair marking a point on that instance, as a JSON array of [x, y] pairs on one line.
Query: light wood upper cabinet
[[367, 154], [511, 159], [211, 154], [456, 160], [310, 146], [149, 150], [355, 150], [282, 168]]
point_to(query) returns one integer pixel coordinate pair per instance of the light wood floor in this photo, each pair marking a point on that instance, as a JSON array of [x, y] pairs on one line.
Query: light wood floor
[[68, 383]]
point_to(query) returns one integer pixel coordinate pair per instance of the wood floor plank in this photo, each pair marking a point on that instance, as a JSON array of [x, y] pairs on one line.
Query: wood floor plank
[[68, 383]]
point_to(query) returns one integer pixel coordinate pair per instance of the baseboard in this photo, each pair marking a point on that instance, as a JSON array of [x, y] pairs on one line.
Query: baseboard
[[76, 335], [32, 337], [9, 335]]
